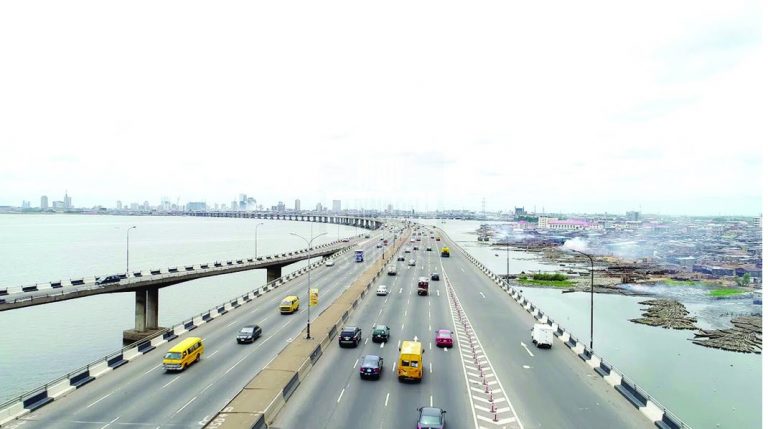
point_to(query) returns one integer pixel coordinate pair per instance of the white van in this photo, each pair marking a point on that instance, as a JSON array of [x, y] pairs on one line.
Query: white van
[[542, 335]]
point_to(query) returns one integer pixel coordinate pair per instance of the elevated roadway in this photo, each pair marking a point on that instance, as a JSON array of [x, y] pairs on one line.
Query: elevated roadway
[[533, 388], [141, 394]]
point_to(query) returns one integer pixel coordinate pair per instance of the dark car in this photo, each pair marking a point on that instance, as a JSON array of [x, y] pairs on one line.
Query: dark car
[[380, 334], [431, 418], [350, 335], [435, 276], [248, 334], [108, 279], [372, 366], [401, 258]]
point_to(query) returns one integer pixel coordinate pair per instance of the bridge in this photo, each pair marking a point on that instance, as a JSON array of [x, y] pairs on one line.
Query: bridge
[[361, 222], [492, 378]]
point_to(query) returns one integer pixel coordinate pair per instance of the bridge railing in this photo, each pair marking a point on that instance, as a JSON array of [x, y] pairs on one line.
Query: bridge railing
[[60, 288], [636, 395], [41, 395]]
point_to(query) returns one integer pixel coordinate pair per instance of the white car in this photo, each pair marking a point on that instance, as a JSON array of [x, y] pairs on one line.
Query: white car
[[329, 263], [412, 262], [382, 290]]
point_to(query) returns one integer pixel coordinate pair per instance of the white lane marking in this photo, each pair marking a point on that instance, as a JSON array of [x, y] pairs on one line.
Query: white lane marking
[[381, 345], [233, 322], [462, 269], [429, 303], [430, 328], [401, 290], [185, 405], [355, 364], [366, 341], [482, 295], [236, 364], [445, 349], [393, 366], [153, 368], [386, 401], [340, 395], [430, 367], [402, 327], [526, 367], [204, 421], [430, 400], [381, 309], [405, 314], [206, 388], [211, 355], [526, 348], [100, 399], [104, 427], [168, 383], [430, 346], [438, 292]]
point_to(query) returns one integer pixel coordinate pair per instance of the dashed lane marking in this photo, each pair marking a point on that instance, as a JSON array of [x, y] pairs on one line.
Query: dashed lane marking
[[526, 348], [340, 395]]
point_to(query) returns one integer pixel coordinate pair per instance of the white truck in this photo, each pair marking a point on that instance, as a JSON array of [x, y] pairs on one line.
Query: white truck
[[542, 335]]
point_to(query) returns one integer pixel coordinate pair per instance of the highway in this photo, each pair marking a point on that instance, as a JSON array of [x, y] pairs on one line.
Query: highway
[[534, 388], [141, 394]]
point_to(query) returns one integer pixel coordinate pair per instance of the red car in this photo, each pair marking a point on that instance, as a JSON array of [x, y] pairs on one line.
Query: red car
[[444, 338]]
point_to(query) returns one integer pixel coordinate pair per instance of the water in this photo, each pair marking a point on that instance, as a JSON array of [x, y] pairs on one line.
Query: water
[[40, 248], [707, 388]]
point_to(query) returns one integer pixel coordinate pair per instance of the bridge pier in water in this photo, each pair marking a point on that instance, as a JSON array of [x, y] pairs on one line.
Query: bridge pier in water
[[146, 311]]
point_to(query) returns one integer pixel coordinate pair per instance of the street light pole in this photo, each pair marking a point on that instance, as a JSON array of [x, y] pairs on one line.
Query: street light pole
[[309, 247], [256, 242], [591, 298], [507, 263], [127, 235]]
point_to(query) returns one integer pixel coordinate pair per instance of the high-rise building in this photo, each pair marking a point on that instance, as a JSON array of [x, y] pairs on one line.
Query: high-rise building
[[25, 204], [146, 205], [389, 208], [337, 206], [633, 216], [119, 205], [197, 206], [234, 206], [44, 202], [67, 201], [297, 205], [280, 206], [319, 207]]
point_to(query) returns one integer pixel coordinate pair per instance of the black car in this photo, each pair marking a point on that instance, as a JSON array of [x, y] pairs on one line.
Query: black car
[[401, 258], [248, 334], [108, 279], [350, 335], [380, 334], [431, 418], [435, 276], [372, 366]]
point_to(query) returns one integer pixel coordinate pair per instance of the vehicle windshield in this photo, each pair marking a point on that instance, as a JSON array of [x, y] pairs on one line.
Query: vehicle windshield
[[286, 302], [371, 361], [430, 420], [174, 356], [246, 330]]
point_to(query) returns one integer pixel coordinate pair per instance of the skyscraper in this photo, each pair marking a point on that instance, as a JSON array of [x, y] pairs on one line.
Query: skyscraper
[[119, 205], [67, 201], [337, 206], [44, 202], [297, 205]]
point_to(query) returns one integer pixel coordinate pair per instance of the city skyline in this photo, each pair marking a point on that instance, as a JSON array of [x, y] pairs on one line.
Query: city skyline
[[657, 109]]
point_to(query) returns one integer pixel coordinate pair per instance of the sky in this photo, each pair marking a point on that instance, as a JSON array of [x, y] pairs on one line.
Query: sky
[[567, 107]]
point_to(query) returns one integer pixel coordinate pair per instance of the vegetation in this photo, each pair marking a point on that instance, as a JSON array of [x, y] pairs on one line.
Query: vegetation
[[724, 292], [558, 280], [744, 280], [671, 282]]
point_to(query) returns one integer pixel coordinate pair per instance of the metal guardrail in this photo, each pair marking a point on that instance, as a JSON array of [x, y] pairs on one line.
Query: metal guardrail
[[44, 387]]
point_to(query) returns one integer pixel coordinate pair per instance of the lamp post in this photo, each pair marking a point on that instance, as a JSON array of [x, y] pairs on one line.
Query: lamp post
[[507, 263], [309, 247], [127, 235], [256, 241], [591, 298]]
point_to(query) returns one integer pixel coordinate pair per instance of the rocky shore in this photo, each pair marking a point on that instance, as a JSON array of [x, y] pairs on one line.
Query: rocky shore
[[667, 313], [746, 336]]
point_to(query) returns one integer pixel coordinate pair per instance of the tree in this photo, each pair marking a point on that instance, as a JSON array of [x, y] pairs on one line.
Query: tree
[[744, 280]]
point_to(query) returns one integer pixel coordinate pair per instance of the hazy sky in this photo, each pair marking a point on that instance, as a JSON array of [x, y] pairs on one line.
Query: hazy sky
[[567, 106]]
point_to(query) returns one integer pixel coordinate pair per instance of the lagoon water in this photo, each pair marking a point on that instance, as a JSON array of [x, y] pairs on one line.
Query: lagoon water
[[40, 248], [706, 388]]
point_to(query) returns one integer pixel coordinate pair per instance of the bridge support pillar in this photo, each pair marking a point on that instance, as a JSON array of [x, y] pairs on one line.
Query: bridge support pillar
[[152, 308], [147, 305], [141, 310], [273, 273]]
